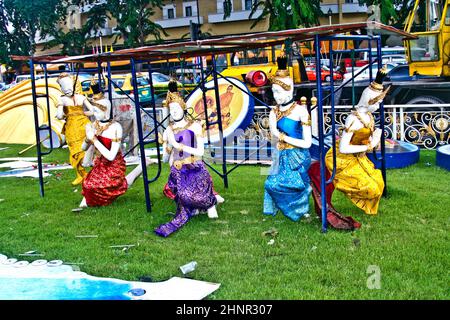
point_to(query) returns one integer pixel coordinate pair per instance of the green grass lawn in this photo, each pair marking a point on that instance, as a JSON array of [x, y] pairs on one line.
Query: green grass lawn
[[408, 239]]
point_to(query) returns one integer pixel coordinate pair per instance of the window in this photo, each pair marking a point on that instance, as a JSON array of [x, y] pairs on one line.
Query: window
[[447, 17], [170, 13], [159, 77], [188, 11], [248, 4], [425, 48]]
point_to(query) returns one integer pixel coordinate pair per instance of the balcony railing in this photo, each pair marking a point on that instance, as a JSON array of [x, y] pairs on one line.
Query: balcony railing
[[178, 22], [234, 16]]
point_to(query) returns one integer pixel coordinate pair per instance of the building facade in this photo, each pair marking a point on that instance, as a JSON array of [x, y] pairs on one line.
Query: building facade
[[176, 16]]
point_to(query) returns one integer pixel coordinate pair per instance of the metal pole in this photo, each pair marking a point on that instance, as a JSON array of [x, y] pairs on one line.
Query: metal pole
[[219, 122], [323, 192], [110, 90], [36, 128], [204, 100], [333, 122], [155, 122], [48, 107], [99, 72], [140, 135], [383, 146]]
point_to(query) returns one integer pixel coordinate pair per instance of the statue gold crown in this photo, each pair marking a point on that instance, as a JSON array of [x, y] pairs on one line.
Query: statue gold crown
[[282, 72]]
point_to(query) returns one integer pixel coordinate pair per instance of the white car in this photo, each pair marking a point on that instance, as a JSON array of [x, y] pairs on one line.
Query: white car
[[394, 59], [365, 74]]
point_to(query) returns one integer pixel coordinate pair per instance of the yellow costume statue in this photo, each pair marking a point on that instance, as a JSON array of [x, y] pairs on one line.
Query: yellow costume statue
[[75, 133], [71, 108], [356, 175]]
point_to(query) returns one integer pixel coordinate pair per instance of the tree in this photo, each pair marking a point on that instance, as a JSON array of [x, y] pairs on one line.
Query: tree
[[287, 14], [22, 21], [387, 11], [133, 19]]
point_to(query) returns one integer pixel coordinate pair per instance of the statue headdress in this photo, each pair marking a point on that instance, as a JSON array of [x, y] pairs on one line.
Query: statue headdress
[[173, 95], [96, 90], [375, 92], [281, 74], [98, 99]]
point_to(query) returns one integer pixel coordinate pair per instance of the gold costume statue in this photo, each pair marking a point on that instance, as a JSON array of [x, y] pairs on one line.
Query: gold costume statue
[[356, 175], [75, 133]]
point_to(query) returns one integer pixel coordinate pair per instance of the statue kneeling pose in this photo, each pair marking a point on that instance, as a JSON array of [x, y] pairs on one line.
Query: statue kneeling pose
[[287, 187], [106, 181], [356, 175], [189, 180]]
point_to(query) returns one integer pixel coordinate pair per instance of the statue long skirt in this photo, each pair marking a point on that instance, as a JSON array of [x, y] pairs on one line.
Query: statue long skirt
[[357, 178], [287, 187], [75, 133], [192, 186]]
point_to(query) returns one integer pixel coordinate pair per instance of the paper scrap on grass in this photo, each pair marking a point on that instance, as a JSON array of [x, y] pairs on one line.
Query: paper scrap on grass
[[23, 173], [42, 280], [17, 164], [19, 159]]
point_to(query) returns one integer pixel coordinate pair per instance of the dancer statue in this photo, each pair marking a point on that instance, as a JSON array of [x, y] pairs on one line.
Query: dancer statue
[[106, 181], [75, 109], [287, 186], [189, 180], [356, 175]]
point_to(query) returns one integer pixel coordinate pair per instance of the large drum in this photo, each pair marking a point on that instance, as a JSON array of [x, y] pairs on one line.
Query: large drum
[[236, 106]]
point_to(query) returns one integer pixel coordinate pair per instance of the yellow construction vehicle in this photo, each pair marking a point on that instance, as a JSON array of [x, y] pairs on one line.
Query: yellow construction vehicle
[[430, 53]]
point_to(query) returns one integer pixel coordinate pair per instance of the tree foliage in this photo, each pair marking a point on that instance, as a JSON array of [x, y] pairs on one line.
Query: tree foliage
[[134, 22], [22, 21], [287, 14]]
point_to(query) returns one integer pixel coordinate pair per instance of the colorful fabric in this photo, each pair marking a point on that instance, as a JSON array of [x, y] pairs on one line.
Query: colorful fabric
[[192, 187], [75, 132], [287, 188], [357, 177], [106, 181]]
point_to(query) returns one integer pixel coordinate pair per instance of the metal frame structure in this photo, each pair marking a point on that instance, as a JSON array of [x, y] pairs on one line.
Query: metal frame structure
[[212, 47]]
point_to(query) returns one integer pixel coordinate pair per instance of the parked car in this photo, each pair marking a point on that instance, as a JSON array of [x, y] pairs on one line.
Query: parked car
[[401, 73], [394, 59], [365, 75], [325, 74], [123, 83]]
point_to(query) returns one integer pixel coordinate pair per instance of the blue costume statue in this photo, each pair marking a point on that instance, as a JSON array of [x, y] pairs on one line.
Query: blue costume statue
[[287, 187]]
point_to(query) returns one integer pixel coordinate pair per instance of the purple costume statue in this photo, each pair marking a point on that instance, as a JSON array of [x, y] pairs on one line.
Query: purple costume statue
[[191, 184]]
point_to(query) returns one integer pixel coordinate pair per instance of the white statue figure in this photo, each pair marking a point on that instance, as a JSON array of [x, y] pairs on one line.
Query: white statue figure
[[189, 180], [287, 186], [356, 175], [75, 109], [106, 181]]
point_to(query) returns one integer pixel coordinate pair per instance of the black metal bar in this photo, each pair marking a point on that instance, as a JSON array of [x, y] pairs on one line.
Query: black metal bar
[[343, 84], [383, 146], [333, 122], [249, 94], [213, 169], [121, 90], [202, 85], [110, 93], [219, 117], [48, 107], [141, 140], [317, 43], [147, 135], [155, 122], [36, 128]]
